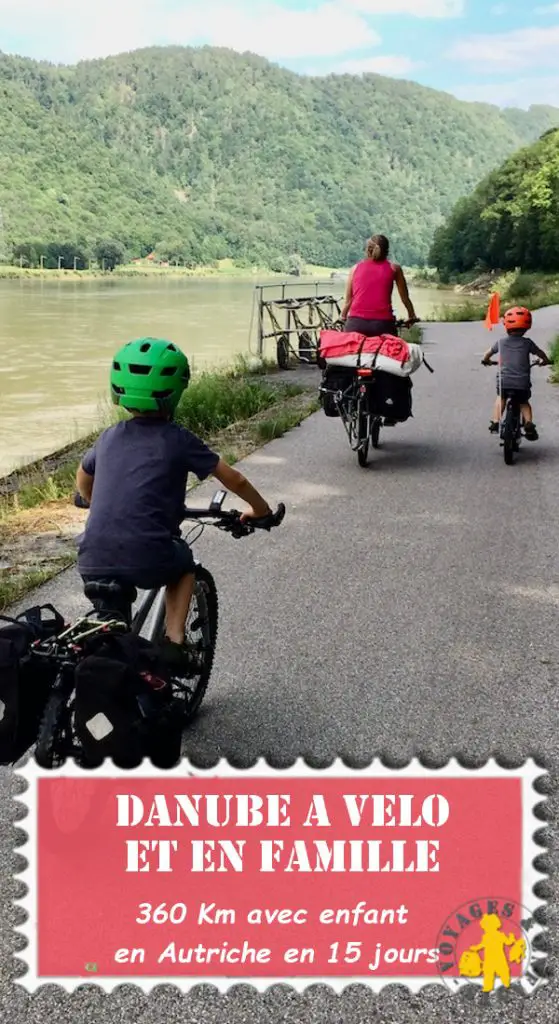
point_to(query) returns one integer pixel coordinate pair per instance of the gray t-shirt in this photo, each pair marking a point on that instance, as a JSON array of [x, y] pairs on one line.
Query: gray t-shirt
[[515, 352], [140, 469]]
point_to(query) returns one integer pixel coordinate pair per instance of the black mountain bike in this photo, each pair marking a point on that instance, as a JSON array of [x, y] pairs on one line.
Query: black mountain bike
[[112, 612], [511, 422]]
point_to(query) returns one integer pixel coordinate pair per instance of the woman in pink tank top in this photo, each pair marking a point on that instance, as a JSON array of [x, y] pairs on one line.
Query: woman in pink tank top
[[367, 306]]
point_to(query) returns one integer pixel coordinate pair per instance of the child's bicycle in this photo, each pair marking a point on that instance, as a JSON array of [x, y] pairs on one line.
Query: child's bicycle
[[112, 613], [511, 423]]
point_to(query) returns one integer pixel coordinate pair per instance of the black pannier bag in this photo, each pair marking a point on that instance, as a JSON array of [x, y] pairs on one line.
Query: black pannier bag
[[335, 378], [26, 678], [121, 692], [391, 396]]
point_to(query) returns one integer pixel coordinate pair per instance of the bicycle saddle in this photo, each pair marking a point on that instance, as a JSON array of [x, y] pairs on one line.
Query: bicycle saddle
[[109, 591]]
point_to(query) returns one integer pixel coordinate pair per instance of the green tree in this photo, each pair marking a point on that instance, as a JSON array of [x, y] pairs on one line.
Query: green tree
[[110, 253]]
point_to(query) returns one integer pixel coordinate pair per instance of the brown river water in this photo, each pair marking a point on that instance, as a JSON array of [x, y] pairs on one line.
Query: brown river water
[[57, 339]]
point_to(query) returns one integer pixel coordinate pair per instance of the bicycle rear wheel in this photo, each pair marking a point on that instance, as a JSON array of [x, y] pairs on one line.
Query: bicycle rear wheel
[[509, 434], [375, 431], [54, 739], [362, 435]]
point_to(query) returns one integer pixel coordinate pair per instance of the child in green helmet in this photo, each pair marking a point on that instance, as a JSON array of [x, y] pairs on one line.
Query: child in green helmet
[[135, 478]]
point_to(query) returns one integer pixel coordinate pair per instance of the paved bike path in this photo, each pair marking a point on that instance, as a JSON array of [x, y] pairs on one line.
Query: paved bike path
[[410, 608]]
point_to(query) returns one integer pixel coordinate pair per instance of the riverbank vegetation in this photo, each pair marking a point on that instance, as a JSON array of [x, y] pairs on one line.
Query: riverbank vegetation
[[235, 411], [535, 291], [510, 221], [205, 154]]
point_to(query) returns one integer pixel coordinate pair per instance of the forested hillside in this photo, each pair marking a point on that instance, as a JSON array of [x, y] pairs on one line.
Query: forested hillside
[[510, 220], [206, 153]]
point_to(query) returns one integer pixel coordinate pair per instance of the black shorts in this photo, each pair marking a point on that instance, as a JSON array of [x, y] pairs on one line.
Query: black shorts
[[370, 328], [180, 563], [522, 395]]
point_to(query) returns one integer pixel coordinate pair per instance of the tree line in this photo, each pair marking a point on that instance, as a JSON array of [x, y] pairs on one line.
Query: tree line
[[510, 221], [205, 154]]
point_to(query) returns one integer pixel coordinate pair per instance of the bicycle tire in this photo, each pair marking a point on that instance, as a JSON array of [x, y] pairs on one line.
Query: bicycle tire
[[375, 431], [282, 352], [509, 435], [205, 592], [363, 436], [47, 752]]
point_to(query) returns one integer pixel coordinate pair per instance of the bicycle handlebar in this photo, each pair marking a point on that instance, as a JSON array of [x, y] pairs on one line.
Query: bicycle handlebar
[[230, 520], [227, 520], [493, 362]]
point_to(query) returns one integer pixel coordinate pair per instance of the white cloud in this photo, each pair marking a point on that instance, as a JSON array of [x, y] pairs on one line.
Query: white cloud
[[66, 30], [548, 9], [385, 64], [69, 30], [415, 8], [280, 33], [523, 92], [519, 48]]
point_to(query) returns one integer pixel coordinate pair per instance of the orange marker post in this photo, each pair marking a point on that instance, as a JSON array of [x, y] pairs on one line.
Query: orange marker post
[[493, 311]]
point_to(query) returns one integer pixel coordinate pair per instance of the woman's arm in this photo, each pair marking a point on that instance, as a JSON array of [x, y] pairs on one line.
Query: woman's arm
[[403, 290], [348, 295]]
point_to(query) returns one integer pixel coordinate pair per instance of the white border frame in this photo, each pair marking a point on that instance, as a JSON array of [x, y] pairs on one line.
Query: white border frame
[[31, 772]]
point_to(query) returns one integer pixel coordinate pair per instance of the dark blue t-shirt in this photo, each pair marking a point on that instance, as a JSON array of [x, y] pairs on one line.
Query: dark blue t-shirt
[[140, 469]]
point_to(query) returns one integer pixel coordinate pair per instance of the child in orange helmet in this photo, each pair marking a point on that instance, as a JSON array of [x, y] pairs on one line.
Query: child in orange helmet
[[514, 377]]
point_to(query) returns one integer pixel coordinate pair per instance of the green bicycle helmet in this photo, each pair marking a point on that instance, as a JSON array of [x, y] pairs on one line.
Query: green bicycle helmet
[[149, 375]]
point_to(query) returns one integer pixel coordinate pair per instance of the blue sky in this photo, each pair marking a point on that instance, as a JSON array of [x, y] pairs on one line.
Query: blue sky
[[498, 52]]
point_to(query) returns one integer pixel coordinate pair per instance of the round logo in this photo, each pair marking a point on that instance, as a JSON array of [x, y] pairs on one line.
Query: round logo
[[489, 942]]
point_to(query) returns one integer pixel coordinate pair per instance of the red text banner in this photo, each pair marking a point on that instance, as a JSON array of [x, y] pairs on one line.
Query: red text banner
[[301, 876]]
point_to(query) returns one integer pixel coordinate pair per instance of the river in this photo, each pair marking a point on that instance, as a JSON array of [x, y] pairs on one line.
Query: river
[[57, 338]]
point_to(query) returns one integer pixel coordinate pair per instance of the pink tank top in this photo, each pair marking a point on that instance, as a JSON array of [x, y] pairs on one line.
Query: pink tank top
[[372, 290]]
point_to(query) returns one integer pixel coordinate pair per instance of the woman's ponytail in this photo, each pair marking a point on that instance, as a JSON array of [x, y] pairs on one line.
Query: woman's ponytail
[[377, 248]]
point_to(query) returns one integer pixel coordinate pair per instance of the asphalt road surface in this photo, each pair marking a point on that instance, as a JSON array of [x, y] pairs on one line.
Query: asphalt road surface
[[407, 609]]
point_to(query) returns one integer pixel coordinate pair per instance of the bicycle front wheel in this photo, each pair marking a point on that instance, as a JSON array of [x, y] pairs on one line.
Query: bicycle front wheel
[[200, 635]]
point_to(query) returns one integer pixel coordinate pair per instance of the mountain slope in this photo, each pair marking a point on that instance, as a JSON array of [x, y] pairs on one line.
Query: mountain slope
[[211, 153], [510, 220]]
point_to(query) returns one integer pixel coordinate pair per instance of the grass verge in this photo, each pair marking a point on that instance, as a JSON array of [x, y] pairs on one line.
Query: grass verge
[[233, 412], [532, 290]]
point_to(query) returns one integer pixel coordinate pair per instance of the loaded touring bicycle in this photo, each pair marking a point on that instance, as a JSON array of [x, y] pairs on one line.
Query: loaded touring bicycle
[[366, 382]]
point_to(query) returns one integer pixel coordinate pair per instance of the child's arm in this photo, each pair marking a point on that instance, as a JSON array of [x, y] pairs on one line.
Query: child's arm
[[85, 475], [234, 481], [541, 355], [490, 352], [84, 484]]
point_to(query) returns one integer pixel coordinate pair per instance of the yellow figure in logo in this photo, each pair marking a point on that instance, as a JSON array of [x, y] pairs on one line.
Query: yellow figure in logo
[[495, 963]]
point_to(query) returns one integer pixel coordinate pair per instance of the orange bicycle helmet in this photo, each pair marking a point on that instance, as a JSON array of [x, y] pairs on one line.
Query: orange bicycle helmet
[[518, 319]]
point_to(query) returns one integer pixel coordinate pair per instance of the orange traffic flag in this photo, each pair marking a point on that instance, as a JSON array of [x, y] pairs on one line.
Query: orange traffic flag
[[493, 311]]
